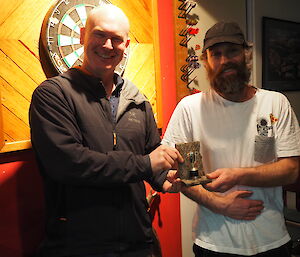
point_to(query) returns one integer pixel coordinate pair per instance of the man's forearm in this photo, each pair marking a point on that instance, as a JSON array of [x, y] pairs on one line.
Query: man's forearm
[[203, 197], [283, 172], [235, 205]]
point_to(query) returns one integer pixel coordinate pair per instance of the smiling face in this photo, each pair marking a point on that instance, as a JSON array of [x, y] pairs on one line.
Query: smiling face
[[105, 39], [226, 68]]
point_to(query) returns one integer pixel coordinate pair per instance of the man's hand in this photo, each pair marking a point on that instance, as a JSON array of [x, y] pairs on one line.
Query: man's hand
[[164, 158], [236, 206], [172, 184], [223, 179], [282, 172]]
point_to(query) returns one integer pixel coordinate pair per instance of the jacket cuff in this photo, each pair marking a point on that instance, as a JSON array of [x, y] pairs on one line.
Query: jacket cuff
[[156, 180]]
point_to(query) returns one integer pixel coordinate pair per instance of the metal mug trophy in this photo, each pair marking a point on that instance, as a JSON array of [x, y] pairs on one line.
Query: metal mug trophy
[[191, 170]]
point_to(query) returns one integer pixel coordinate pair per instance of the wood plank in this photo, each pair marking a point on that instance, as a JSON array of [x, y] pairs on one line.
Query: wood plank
[[140, 17], [1, 125], [152, 95], [14, 127], [16, 146], [141, 71], [7, 138], [21, 20], [33, 29], [14, 102], [20, 54], [158, 78], [146, 68], [32, 46], [181, 52], [7, 9], [16, 77], [138, 54]]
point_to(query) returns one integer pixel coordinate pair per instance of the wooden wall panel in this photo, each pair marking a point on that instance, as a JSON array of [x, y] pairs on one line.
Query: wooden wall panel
[[21, 71], [141, 19], [7, 8], [14, 102], [25, 20], [1, 126], [11, 123], [143, 66], [181, 52], [20, 53], [140, 69]]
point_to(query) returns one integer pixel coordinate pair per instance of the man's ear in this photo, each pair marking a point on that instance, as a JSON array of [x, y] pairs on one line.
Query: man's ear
[[127, 42], [82, 33]]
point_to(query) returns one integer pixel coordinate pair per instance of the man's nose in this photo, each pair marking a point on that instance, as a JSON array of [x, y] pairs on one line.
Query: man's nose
[[224, 59], [108, 43]]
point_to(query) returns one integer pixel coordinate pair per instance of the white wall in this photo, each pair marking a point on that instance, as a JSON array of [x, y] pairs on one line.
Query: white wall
[[210, 12]]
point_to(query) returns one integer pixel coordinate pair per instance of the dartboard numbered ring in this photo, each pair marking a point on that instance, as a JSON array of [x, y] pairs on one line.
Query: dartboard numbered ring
[[60, 33]]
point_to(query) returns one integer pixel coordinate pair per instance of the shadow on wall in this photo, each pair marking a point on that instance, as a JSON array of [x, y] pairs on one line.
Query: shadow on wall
[[22, 205]]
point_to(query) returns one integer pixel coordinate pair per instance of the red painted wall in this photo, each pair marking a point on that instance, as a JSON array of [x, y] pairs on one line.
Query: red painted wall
[[21, 197], [168, 223], [21, 205]]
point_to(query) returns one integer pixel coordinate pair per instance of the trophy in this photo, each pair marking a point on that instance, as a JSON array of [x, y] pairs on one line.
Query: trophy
[[191, 170]]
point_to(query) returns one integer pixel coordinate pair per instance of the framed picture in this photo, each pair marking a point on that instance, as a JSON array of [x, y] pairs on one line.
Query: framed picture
[[280, 54]]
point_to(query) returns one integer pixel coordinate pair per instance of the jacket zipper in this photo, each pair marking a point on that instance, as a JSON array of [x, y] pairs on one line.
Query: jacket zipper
[[119, 229], [114, 140]]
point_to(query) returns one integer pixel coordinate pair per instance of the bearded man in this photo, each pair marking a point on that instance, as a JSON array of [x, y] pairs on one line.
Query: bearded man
[[250, 146]]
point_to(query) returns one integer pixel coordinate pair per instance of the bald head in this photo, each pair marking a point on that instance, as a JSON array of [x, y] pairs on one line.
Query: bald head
[[109, 14], [105, 39]]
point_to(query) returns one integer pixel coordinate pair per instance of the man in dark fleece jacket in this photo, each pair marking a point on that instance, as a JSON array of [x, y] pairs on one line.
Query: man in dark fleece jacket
[[96, 141]]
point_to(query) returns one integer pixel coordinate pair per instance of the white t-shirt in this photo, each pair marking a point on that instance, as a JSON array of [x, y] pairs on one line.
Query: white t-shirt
[[243, 134]]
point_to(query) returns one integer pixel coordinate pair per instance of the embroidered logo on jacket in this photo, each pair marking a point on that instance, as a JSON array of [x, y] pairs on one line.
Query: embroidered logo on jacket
[[132, 117]]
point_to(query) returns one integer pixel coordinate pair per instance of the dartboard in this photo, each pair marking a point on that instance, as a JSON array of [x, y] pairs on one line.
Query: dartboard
[[60, 33]]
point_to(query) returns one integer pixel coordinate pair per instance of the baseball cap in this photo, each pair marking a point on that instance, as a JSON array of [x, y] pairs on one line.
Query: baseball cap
[[224, 32]]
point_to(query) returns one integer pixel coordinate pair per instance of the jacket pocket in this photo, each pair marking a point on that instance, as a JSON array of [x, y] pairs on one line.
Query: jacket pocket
[[264, 149]]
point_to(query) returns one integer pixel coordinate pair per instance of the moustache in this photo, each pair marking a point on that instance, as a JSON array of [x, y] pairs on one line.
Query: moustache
[[227, 66]]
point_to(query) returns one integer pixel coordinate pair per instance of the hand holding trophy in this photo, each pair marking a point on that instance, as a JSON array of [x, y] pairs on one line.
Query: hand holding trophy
[[191, 170]]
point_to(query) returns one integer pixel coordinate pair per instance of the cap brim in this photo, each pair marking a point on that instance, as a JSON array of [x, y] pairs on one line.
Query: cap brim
[[217, 40]]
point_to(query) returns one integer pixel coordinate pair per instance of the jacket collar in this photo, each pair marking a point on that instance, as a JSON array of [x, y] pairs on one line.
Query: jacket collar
[[129, 92], [91, 83]]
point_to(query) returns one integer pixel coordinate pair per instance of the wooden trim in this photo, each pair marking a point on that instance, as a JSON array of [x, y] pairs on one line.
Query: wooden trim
[[156, 46], [16, 146], [181, 52], [1, 125], [292, 223]]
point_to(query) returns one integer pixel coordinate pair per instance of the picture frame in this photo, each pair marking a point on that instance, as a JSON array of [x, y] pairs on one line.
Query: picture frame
[[280, 55]]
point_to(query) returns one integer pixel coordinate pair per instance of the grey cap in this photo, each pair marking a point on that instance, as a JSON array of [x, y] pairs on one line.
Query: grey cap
[[224, 32]]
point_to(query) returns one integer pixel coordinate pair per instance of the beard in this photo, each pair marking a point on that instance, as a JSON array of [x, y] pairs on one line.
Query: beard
[[230, 84]]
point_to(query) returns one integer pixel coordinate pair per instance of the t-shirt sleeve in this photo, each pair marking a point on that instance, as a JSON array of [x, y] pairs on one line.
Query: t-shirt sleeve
[[288, 132], [179, 127]]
